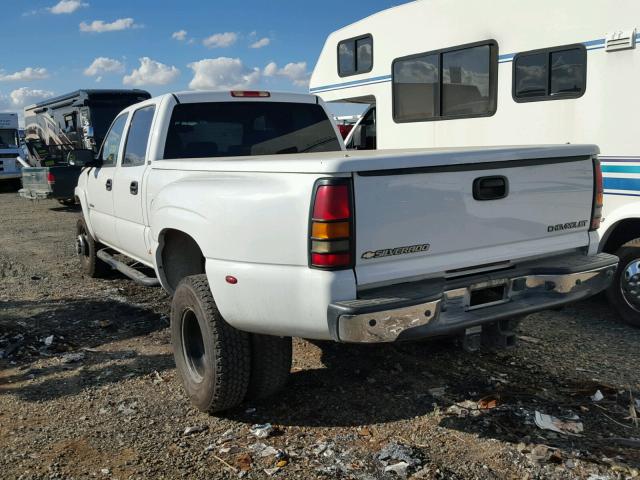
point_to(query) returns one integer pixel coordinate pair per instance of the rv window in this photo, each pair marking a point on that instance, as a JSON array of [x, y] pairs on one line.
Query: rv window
[[355, 55], [452, 83], [415, 88], [135, 149], [111, 145], [531, 75], [551, 74], [465, 81]]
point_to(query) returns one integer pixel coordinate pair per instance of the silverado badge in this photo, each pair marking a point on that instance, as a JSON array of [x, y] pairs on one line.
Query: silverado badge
[[387, 252]]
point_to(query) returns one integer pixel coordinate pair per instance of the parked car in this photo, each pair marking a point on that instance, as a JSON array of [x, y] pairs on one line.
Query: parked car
[[262, 227], [57, 126], [503, 81]]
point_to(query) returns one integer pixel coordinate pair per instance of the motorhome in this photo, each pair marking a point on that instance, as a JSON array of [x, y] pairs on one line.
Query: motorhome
[[10, 148], [464, 73], [76, 120]]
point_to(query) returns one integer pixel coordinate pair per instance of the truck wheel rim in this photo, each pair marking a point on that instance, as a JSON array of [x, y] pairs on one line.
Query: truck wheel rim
[[630, 284], [193, 345], [81, 245]]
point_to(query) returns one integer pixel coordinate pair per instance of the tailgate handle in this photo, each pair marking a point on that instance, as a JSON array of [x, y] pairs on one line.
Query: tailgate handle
[[108, 184], [133, 188], [490, 188]]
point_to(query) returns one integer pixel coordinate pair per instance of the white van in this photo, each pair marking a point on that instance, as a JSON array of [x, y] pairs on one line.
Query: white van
[[466, 73], [10, 147]]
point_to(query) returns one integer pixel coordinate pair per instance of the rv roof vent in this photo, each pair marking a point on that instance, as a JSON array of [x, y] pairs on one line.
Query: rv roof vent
[[620, 40]]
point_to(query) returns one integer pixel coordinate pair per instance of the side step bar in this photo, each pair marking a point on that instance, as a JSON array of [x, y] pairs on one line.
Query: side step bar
[[138, 277]]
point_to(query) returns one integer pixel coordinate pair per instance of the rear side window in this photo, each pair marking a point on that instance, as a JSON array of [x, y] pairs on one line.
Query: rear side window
[[355, 55], [135, 149], [458, 82], [229, 129], [550, 74]]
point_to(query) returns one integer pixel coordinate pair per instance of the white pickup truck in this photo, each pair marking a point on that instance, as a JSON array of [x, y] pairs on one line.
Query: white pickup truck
[[261, 225]]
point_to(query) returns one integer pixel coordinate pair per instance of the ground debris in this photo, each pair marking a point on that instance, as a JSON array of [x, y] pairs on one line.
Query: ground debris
[[568, 427]]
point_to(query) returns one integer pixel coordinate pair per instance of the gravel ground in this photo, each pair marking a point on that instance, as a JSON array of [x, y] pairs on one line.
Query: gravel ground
[[88, 389]]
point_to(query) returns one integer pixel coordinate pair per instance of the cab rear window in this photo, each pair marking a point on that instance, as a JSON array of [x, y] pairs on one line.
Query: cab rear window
[[229, 129]]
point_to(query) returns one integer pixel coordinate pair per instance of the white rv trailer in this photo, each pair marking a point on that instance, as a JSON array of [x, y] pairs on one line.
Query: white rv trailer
[[462, 73]]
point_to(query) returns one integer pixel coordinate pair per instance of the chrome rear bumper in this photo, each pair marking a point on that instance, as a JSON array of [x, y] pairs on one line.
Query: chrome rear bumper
[[386, 318]]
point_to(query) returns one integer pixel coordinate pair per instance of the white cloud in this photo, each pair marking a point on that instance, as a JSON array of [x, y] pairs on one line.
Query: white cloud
[[66, 6], [220, 40], [22, 97], [263, 42], [180, 35], [102, 65], [296, 72], [26, 75], [99, 26], [222, 73], [270, 70], [151, 72]]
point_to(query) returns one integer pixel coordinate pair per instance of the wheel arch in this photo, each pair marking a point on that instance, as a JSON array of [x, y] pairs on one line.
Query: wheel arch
[[619, 234], [178, 256]]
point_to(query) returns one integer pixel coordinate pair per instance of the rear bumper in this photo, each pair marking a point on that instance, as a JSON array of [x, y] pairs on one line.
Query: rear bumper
[[34, 194], [439, 307]]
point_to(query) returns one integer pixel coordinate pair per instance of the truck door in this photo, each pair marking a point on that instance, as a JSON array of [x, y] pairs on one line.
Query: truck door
[[100, 184], [128, 186]]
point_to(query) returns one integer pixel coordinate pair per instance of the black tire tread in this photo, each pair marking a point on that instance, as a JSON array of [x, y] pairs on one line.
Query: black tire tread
[[92, 265], [232, 356], [270, 365]]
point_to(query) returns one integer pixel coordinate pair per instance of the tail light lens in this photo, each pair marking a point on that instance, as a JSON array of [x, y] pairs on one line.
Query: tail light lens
[[331, 225], [51, 179], [598, 195]]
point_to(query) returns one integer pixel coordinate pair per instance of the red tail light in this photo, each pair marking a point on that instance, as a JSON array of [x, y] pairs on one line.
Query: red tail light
[[331, 225], [51, 179], [598, 195], [249, 93]]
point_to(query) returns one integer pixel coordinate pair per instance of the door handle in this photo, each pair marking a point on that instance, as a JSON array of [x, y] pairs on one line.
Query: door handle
[[490, 188], [133, 188], [109, 184]]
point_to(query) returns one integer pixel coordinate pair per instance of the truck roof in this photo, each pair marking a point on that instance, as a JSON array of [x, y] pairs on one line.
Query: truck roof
[[227, 96], [87, 93]]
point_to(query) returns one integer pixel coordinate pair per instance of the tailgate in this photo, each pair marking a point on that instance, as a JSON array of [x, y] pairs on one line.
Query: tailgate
[[415, 222], [35, 179]]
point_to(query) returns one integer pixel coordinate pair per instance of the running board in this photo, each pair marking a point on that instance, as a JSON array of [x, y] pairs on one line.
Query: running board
[[138, 277]]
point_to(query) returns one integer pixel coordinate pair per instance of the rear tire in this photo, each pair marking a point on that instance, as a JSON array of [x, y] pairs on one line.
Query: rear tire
[[624, 292], [270, 365], [212, 357], [87, 249]]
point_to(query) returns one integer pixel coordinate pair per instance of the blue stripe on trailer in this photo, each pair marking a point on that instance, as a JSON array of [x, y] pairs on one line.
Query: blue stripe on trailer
[[614, 183], [353, 83], [621, 168]]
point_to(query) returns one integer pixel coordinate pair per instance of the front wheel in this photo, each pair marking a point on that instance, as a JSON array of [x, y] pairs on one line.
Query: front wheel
[[212, 357], [624, 292], [87, 249]]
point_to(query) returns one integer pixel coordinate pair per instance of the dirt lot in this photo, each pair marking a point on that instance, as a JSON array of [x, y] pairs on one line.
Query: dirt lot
[[88, 388]]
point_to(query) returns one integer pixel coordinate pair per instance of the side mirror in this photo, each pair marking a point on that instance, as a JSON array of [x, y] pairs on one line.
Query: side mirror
[[82, 158]]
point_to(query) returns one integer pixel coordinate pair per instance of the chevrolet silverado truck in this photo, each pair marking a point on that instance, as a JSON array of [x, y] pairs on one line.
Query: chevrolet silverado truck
[[262, 227]]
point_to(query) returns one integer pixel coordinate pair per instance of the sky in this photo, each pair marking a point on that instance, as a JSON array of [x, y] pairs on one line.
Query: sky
[[57, 46]]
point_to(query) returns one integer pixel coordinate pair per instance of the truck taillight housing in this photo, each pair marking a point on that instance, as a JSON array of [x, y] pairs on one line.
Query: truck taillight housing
[[598, 195], [331, 239], [51, 179]]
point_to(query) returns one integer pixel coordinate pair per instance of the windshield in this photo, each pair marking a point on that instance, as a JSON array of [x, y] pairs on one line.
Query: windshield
[[8, 137], [228, 129]]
